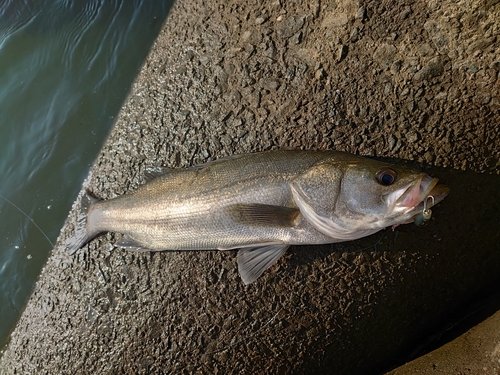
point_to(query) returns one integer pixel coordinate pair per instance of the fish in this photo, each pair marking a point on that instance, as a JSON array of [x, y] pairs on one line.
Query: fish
[[261, 203]]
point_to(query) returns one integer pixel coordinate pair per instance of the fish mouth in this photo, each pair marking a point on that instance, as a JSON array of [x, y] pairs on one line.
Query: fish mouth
[[424, 187]]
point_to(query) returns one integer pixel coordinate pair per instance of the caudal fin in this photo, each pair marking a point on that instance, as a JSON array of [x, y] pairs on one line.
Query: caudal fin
[[81, 235]]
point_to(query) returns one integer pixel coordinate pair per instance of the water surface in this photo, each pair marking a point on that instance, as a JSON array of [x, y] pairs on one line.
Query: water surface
[[65, 69]]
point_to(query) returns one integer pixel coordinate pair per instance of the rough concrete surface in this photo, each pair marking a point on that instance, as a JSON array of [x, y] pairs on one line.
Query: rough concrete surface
[[406, 80]]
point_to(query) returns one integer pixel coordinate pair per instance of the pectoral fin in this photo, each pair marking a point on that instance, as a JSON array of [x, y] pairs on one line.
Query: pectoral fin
[[253, 261], [263, 215]]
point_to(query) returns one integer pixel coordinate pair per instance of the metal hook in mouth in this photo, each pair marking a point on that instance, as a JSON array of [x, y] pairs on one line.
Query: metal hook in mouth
[[427, 211]]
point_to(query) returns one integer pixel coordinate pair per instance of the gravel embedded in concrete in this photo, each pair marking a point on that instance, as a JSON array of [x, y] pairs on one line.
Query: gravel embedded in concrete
[[415, 81]]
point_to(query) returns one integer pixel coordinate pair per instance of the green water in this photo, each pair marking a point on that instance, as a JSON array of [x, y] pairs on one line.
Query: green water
[[65, 69]]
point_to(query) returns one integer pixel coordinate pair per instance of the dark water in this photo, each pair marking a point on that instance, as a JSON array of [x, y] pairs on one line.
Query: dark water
[[65, 69]]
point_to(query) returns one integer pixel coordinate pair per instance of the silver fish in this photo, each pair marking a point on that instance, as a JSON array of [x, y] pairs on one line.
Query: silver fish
[[261, 204]]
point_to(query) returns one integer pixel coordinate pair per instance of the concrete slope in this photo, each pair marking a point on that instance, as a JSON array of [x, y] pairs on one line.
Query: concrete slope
[[413, 80]]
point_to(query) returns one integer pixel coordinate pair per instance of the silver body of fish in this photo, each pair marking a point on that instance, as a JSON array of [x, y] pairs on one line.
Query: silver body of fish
[[261, 204]]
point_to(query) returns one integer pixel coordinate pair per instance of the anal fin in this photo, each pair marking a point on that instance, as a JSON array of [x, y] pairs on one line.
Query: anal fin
[[128, 243], [253, 261]]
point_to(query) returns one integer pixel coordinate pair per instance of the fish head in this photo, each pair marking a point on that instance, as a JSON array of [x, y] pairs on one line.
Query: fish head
[[356, 197], [378, 195]]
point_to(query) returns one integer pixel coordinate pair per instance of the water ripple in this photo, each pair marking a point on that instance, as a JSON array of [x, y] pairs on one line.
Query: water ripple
[[65, 68]]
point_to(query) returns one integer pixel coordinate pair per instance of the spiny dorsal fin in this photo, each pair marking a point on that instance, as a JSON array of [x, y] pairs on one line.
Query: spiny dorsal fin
[[217, 161], [262, 215], [155, 172]]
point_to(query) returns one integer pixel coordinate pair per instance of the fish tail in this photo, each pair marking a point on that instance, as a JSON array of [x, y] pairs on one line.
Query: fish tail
[[82, 234]]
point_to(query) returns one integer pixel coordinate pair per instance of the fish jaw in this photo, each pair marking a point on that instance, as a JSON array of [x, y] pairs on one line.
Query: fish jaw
[[439, 192], [411, 197]]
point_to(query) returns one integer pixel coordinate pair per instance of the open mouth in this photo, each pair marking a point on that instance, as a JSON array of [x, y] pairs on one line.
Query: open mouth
[[425, 191]]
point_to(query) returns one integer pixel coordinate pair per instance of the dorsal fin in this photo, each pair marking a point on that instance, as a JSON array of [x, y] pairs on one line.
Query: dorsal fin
[[155, 172], [217, 161]]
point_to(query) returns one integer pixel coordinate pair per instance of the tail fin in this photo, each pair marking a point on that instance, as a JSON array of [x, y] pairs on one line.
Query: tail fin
[[81, 235]]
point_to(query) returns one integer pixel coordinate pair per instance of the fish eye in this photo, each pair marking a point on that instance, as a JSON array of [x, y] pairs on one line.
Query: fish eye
[[386, 176]]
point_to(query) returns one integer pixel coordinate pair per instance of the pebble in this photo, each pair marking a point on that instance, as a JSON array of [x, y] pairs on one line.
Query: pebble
[[290, 26], [405, 13], [260, 20], [396, 66], [297, 38], [341, 53], [385, 54], [434, 68], [392, 142], [412, 136], [387, 89], [360, 14], [354, 34], [334, 20], [356, 140], [425, 49]]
